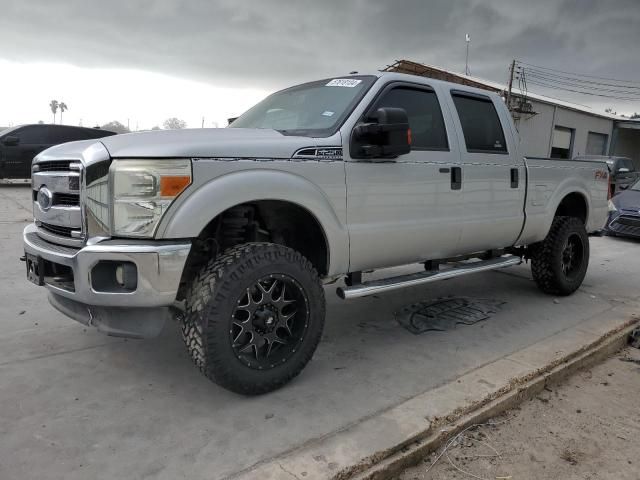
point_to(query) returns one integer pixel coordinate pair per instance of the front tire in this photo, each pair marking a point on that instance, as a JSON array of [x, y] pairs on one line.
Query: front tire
[[254, 317], [559, 263]]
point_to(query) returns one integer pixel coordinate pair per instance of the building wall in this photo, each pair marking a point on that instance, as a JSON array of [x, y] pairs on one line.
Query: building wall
[[583, 123], [536, 131]]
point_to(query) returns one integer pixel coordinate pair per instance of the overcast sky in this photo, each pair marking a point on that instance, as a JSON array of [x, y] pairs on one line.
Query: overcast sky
[[147, 60]]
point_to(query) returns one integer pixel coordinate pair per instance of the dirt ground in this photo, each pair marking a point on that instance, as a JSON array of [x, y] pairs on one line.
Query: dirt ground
[[585, 428]]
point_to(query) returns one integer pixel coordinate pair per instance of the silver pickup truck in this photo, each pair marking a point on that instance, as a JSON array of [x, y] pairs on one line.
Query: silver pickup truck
[[234, 232]]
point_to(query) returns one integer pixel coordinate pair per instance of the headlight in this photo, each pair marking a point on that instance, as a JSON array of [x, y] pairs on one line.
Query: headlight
[[142, 192], [612, 207]]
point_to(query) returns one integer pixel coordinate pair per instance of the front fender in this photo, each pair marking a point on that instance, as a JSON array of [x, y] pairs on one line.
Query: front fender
[[189, 215]]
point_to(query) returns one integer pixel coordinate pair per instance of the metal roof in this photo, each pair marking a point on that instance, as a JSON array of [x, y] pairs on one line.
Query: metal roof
[[420, 69]]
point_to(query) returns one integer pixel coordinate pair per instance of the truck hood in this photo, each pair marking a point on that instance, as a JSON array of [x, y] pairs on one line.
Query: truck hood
[[211, 142]]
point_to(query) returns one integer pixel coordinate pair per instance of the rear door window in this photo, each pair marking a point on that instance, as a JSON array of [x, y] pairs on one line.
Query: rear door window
[[480, 124]]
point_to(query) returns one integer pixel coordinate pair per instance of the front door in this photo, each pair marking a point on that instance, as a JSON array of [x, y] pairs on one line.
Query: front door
[[404, 211]]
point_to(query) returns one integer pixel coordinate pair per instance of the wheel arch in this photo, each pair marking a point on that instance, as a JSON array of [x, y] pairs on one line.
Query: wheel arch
[[266, 190], [574, 204]]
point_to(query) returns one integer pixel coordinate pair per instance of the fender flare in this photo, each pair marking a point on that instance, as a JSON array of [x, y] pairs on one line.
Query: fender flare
[[190, 214]]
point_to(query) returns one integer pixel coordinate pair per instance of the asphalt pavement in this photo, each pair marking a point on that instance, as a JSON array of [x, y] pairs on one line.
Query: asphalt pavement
[[77, 404]]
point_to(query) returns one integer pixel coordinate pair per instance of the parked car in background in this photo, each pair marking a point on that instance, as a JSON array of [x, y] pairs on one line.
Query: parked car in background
[[624, 213], [621, 169], [18, 145]]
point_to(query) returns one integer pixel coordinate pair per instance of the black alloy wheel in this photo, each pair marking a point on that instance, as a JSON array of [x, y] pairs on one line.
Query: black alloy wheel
[[269, 321]]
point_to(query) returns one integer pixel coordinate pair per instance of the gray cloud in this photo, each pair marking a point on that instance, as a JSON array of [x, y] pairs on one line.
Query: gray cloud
[[273, 43]]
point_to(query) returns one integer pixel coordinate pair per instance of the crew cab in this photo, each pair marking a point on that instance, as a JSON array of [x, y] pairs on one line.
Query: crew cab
[[235, 232]]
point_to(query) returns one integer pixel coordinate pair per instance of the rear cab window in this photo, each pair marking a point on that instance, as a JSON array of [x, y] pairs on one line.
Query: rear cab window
[[480, 123]]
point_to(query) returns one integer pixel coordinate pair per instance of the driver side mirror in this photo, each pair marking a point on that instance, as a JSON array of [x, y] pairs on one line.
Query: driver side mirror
[[10, 141], [385, 135]]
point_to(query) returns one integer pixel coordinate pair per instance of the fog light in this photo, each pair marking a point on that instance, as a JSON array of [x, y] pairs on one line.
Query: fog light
[[127, 275], [120, 275], [114, 277]]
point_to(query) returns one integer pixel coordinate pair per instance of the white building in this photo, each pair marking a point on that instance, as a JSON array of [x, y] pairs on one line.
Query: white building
[[549, 127]]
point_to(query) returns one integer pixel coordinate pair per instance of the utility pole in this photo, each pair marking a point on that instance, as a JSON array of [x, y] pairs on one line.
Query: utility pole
[[512, 71], [202, 123], [466, 63]]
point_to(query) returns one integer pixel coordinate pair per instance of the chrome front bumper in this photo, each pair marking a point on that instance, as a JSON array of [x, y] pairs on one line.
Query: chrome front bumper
[[159, 269]]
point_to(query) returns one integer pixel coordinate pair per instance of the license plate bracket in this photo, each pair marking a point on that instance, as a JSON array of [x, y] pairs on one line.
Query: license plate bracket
[[35, 269]]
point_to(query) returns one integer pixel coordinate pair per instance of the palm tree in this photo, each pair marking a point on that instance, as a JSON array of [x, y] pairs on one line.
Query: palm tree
[[54, 108], [63, 108]]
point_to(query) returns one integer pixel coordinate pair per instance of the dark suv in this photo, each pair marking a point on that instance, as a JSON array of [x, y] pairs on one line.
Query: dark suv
[[18, 145]]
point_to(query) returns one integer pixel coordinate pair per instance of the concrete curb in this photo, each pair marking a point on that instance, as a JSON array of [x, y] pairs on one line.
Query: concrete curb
[[522, 389], [384, 444]]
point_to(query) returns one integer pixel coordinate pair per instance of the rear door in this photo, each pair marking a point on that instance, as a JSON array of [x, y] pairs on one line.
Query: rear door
[[32, 139], [403, 211], [493, 174]]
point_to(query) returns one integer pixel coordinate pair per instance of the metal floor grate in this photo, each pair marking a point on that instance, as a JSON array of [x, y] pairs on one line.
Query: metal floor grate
[[445, 313]]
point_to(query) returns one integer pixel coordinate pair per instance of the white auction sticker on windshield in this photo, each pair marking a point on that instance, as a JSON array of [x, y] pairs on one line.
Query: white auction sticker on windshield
[[343, 82]]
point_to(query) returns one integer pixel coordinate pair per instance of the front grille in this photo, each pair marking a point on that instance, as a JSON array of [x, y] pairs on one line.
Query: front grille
[[626, 225], [66, 199], [56, 229], [58, 214], [61, 199], [56, 166], [629, 221]]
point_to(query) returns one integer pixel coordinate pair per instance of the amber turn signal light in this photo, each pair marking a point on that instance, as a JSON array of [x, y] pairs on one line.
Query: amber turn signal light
[[172, 186]]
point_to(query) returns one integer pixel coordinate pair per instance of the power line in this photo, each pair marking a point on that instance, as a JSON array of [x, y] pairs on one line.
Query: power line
[[585, 83], [581, 75], [542, 84], [578, 85]]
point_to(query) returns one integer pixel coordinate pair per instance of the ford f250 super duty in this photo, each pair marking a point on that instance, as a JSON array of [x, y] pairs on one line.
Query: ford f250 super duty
[[234, 232]]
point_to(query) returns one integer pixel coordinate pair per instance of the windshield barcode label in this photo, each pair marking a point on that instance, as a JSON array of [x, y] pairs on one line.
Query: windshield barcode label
[[343, 82]]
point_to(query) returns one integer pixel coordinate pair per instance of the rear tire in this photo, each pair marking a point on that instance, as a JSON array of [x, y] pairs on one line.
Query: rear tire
[[254, 317], [559, 263]]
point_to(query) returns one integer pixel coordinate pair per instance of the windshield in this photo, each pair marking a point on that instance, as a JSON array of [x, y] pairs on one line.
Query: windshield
[[315, 109]]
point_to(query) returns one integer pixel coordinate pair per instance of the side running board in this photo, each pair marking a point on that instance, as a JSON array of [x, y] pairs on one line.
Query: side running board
[[411, 280]]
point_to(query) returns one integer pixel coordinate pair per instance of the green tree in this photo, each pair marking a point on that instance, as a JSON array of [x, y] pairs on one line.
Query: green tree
[[115, 126], [174, 123]]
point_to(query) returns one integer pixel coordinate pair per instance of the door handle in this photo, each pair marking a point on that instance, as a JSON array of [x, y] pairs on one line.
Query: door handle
[[515, 178], [456, 178]]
